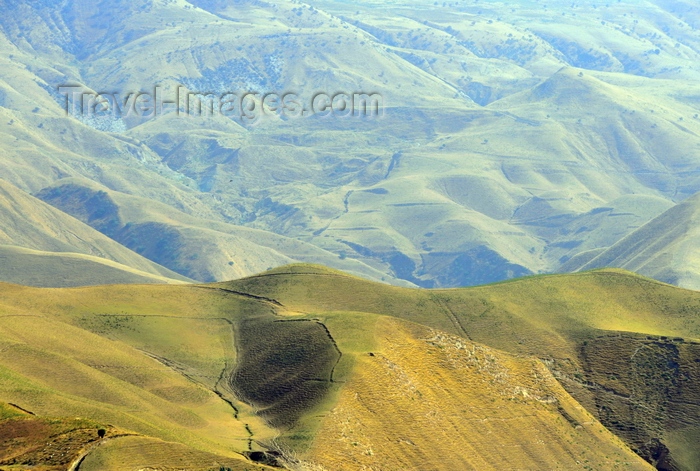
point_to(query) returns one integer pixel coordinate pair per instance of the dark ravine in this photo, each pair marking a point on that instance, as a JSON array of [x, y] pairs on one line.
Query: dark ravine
[[221, 395]]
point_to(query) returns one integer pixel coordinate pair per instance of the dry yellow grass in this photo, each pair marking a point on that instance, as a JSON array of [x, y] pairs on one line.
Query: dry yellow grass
[[142, 453], [424, 400], [155, 359], [552, 318], [145, 359]]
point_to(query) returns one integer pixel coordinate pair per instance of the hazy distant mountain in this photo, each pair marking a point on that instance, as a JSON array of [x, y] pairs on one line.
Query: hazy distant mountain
[[31, 231], [666, 248], [508, 133], [200, 249]]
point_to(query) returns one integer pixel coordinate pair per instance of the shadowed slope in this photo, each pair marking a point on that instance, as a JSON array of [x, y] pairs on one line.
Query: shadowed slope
[[285, 367]]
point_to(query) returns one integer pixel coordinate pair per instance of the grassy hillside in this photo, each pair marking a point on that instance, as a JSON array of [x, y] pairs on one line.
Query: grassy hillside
[[665, 248], [586, 328], [159, 384], [309, 368], [129, 453], [28, 223], [47, 444], [415, 375], [52, 269], [532, 123], [58, 444]]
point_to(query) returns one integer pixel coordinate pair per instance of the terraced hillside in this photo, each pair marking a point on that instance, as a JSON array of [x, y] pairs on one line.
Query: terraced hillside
[[305, 367]]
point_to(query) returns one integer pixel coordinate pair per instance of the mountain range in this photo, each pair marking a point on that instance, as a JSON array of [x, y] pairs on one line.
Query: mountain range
[[512, 140], [327, 235]]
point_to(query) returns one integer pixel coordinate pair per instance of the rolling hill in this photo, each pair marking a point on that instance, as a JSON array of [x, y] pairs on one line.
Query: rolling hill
[[64, 269], [305, 367], [505, 130], [46, 247], [665, 248]]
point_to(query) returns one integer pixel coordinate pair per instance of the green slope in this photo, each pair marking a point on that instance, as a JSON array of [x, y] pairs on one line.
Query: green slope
[[587, 327], [308, 366], [28, 223], [507, 151], [665, 248], [64, 269]]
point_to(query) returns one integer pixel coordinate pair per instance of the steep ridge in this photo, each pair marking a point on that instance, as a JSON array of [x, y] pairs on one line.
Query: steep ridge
[[31, 224], [666, 248]]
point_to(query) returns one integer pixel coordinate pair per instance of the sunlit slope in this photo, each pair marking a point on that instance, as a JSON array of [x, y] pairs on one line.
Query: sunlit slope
[[64, 269], [28, 441], [641, 136], [613, 300], [667, 248], [472, 407], [62, 357], [570, 321], [490, 49], [47, 444], [131, 453], [177, 364], [588, 234], [29, 223]]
